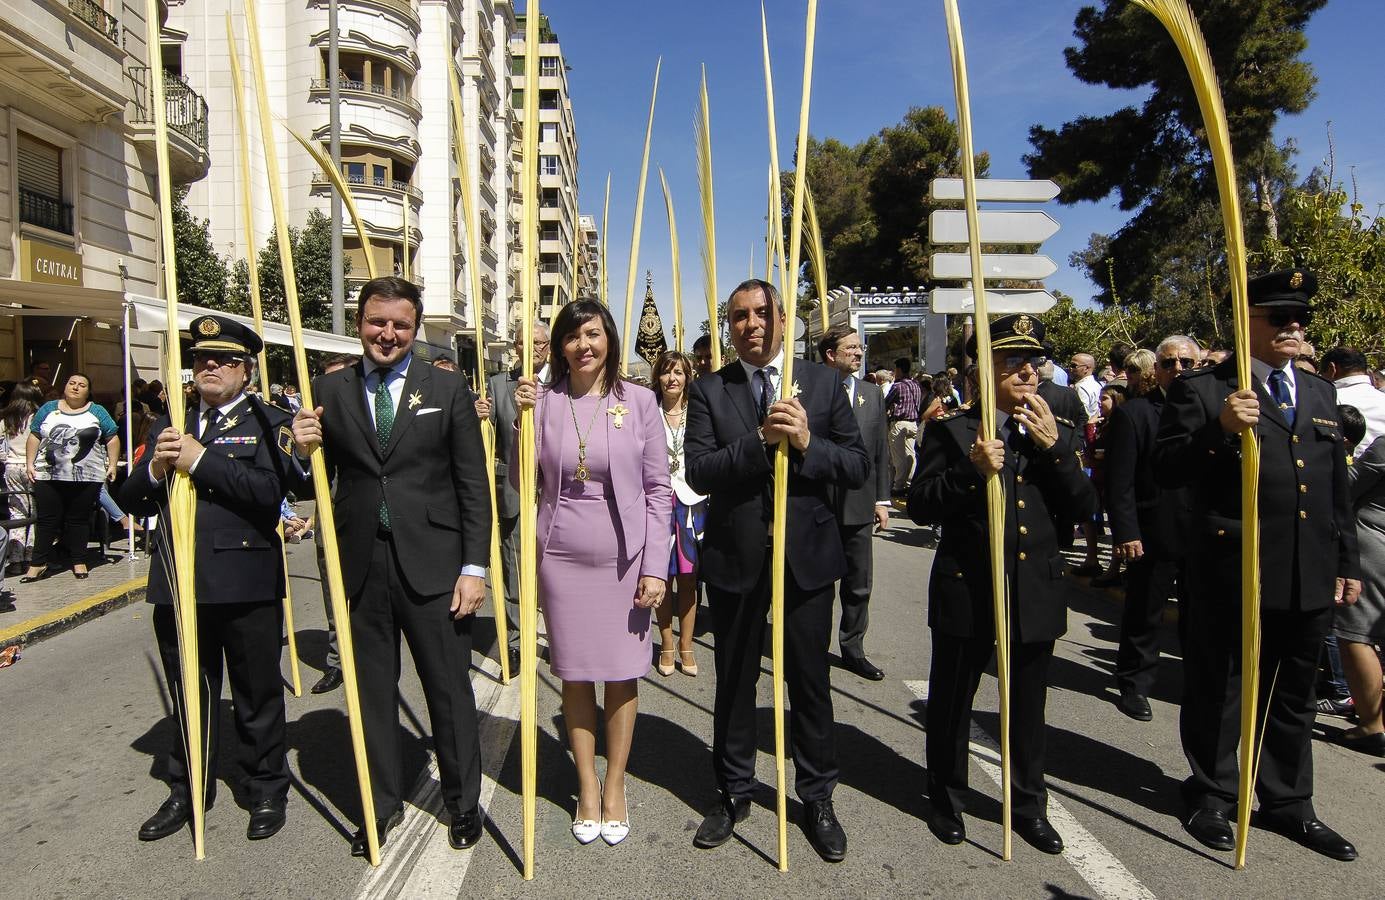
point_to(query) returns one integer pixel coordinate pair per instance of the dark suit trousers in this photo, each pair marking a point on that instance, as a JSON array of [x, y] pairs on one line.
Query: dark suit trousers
[[738, 625], [953, 678], [1149, 582], [441, 648], [855, 589], [249, 637], [509, 570], [1210, 723]]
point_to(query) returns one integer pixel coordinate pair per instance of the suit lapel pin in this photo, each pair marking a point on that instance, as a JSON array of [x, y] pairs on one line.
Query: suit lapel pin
[[795, 390], [230, 423], [618, 413], [860, 401], [415, 399]]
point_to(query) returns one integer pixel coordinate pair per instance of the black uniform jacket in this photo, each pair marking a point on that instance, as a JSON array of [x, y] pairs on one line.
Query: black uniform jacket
[[1307, 528], [728, 462], [240, 482], [432, 474], [1039, 485], [1140, 509]]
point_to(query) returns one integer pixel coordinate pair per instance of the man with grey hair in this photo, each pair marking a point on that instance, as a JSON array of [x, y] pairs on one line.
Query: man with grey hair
[[1148, 525], [499, 407]]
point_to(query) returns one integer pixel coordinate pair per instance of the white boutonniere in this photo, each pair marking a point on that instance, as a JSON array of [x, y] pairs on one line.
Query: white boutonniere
[[415, 399], [795, 390]]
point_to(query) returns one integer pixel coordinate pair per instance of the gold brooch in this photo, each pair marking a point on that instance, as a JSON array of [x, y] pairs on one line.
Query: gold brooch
[[618, 413], [415, 399], [795, 390], [230, 423]]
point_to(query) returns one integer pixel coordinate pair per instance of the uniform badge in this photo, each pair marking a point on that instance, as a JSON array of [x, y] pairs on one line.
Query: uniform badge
[[230, 422], [618, 414], [1296, 280], [415, 399], [210, 327], [1024, 325], [285, 440]]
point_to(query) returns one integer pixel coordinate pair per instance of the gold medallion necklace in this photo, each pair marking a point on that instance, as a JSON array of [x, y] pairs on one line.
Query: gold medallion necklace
[[583, 473], [678, 432]]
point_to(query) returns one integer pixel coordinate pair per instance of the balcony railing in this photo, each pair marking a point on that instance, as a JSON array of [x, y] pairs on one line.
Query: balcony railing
[[399, 187], [44, 211], [361, 87], [95, 15], [185, 110]]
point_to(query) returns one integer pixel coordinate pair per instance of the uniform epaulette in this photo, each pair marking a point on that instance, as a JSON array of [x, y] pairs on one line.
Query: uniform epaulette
[[1197, 373], [949, 415], [1063, 421]]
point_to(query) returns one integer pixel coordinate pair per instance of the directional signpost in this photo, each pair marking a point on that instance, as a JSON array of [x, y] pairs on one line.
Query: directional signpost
[[1026, 227]]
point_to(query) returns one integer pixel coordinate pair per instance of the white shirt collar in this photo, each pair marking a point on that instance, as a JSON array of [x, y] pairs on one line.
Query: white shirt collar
[[777, 364], [1352, 380], [402, 367], [1261, 369], [223, 409]]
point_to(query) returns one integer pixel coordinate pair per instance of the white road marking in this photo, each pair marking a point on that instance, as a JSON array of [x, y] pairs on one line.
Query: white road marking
[[1099, 867], [417, 861]]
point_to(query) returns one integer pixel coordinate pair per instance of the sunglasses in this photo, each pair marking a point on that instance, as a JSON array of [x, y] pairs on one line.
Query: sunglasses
[[1015, 363], [222, 360], [1169, 362], [1282, 318]]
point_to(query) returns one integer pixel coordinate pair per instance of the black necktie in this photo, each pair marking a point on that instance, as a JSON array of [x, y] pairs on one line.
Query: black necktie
[[1279, 389], [766, 399], [209, 420]]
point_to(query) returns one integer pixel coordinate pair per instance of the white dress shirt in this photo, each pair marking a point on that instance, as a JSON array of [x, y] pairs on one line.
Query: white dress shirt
[[1356, 390], [774, 369], [1261, 370]]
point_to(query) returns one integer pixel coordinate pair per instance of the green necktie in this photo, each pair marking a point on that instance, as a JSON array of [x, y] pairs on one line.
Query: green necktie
[[384, 423]]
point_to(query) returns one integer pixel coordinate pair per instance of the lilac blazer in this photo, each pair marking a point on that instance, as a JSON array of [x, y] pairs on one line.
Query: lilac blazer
[[639, 471]]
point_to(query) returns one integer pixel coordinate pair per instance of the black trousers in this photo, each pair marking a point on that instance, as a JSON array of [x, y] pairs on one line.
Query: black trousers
[[952, 681], [509, 570], [1210, 723], [739, 625], [63, 507], [855, 589], [1149, 582], [441, 648], [248, 636]]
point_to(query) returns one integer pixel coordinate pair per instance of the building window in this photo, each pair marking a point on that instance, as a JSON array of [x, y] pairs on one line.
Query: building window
[[549, 232], [39, 167], [517, 98], [548, 133], [549, 66], [355, 172], [548, 99], [378, 175], [548, 165]]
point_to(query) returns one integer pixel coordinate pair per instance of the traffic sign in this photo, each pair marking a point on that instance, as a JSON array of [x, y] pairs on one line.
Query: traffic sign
[[1025, 226], [999, 301], [995, 266], [998, 189]]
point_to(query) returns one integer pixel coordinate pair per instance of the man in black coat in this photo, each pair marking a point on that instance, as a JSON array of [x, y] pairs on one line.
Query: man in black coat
[[413, 518], [238, 453], [1035, 453], [859, 508], [735, 424], [1308, 564], [1148, 527]]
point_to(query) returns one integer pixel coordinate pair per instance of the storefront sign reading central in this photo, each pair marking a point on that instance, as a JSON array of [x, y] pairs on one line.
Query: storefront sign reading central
[[49, 264]]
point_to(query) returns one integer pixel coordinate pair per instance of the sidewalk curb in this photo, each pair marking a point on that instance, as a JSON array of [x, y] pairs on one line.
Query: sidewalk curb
[[68, 617]]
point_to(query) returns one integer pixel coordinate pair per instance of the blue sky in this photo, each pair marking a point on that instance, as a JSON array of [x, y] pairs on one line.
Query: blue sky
[[874, 60]]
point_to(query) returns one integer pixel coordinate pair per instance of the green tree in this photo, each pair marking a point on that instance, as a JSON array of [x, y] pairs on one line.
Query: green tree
[[202, 272], [311, 246], [1154, 158]]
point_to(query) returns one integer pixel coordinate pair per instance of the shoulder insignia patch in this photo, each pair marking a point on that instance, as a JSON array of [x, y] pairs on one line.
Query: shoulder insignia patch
[[285, 440], [1327, 422], [949, 415], [1063, 421]]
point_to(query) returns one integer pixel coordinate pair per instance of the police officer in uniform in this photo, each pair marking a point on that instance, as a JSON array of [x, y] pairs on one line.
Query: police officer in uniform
[[238, 453], [1035, 454], [1308, 564]]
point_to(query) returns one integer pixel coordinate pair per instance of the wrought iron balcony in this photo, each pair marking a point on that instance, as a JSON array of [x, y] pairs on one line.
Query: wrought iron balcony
[[348, 86], [95, 15], [382, 184], [44, 211], [184, 108]]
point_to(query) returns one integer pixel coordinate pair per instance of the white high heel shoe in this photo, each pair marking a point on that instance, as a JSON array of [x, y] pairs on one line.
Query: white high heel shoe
[[586, 830], [612, 831]]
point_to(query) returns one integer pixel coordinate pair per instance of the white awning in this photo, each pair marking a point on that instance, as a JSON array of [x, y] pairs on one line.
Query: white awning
[[151, 314]]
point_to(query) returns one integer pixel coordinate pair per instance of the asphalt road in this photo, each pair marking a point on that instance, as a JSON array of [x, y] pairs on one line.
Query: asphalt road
[[82, 729]]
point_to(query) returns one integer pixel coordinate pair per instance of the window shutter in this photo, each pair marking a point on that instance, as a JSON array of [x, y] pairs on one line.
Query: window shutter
[[40, 167]]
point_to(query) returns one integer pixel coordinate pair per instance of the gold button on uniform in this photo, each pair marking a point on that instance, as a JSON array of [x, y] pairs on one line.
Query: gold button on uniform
[[1299, 463], [1022, 556], [1221, 532], [1019, 479], [1303, 488], [1020, 504], [1303, 513], [1295, 439], [1023, 530]]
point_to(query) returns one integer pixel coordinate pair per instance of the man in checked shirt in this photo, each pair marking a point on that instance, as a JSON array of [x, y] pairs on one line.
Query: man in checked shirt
[[902, 405]]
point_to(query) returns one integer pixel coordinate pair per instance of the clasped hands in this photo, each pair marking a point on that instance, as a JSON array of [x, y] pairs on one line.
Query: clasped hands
[[787, 419], [173, 450]]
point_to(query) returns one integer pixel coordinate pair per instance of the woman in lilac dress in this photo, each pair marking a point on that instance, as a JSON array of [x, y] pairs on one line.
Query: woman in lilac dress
[[604, 519]]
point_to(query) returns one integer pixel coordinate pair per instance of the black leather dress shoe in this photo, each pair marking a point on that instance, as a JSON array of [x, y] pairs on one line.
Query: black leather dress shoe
[[947, 827], [266, 818], [824, 831], [1372, 744], [170, 819], [1211, 828], [1310, 833], [359, 844], [330, 681], [465, 829], [863, 667], [720, 823], [1039, 834], [1136, 706]]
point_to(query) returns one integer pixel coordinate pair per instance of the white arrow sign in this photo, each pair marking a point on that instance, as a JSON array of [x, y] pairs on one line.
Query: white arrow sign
[[1023, 266], [998, 301], [1000, 189], [1027, 226]]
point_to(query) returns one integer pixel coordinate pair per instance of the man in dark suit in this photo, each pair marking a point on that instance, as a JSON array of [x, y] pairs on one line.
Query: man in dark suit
[[1308, 563], [238, 453], [1148, 527], [859, 508], [403, 444], [735, 424], [499, 407], [1035, 453]]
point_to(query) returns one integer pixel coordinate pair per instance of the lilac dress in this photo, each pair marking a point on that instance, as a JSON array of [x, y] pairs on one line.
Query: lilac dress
[[587, 581]]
